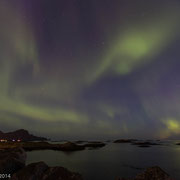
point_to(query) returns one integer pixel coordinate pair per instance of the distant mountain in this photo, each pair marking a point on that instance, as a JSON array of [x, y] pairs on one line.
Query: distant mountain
[[20, 134]]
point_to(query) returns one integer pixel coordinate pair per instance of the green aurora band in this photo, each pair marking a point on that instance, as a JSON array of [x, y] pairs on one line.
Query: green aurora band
[[134, 47]]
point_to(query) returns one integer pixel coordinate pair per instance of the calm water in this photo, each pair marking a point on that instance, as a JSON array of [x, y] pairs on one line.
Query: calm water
[[113, 160]]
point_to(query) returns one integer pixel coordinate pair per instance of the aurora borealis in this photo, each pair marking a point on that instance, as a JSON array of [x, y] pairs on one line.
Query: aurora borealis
[[90, 69]]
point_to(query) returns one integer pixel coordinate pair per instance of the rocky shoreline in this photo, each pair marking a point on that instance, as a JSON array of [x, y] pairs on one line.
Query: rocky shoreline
[[41, 171], [68, 146], [12, 163], [74, 146], [13, 160]]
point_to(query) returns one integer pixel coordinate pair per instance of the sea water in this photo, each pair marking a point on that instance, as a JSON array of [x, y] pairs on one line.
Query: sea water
[[113, 160]]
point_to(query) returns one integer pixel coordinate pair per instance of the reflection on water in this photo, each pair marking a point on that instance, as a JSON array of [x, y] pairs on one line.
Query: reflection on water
[[113, 160]]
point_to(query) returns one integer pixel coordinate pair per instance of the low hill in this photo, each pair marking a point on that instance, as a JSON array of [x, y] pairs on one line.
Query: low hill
[[20, 134]]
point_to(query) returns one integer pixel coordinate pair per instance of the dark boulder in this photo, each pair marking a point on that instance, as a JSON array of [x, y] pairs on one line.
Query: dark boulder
[[152, 173], [40, 171], [33, 171], [12, 160], [60, 173]]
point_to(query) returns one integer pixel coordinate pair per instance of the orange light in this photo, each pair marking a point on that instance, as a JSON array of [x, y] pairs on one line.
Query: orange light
[[3, 140]]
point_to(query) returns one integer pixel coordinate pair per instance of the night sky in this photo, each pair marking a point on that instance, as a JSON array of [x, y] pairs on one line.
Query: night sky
[[90, 69]]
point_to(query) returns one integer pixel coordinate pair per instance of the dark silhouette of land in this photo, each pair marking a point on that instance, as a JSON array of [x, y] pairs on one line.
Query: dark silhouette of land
[[22, 135]]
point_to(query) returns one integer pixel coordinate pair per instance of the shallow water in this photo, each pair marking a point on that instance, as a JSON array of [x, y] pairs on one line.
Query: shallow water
[[113, 160]]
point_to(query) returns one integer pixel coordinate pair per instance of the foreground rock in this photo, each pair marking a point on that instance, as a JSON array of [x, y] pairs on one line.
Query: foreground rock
[[12, 163], [40, 171], [12, 160], [152, 173]]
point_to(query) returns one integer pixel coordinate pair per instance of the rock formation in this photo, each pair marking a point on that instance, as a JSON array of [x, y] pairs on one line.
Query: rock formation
[[152, 173], [12, 163], [40, 171], [12, 160]]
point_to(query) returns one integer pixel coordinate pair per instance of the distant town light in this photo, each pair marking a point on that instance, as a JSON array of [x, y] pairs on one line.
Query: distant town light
[[3, 140]]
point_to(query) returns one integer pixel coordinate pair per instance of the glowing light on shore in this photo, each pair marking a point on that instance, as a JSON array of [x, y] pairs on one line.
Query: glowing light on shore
[[3, 140]]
